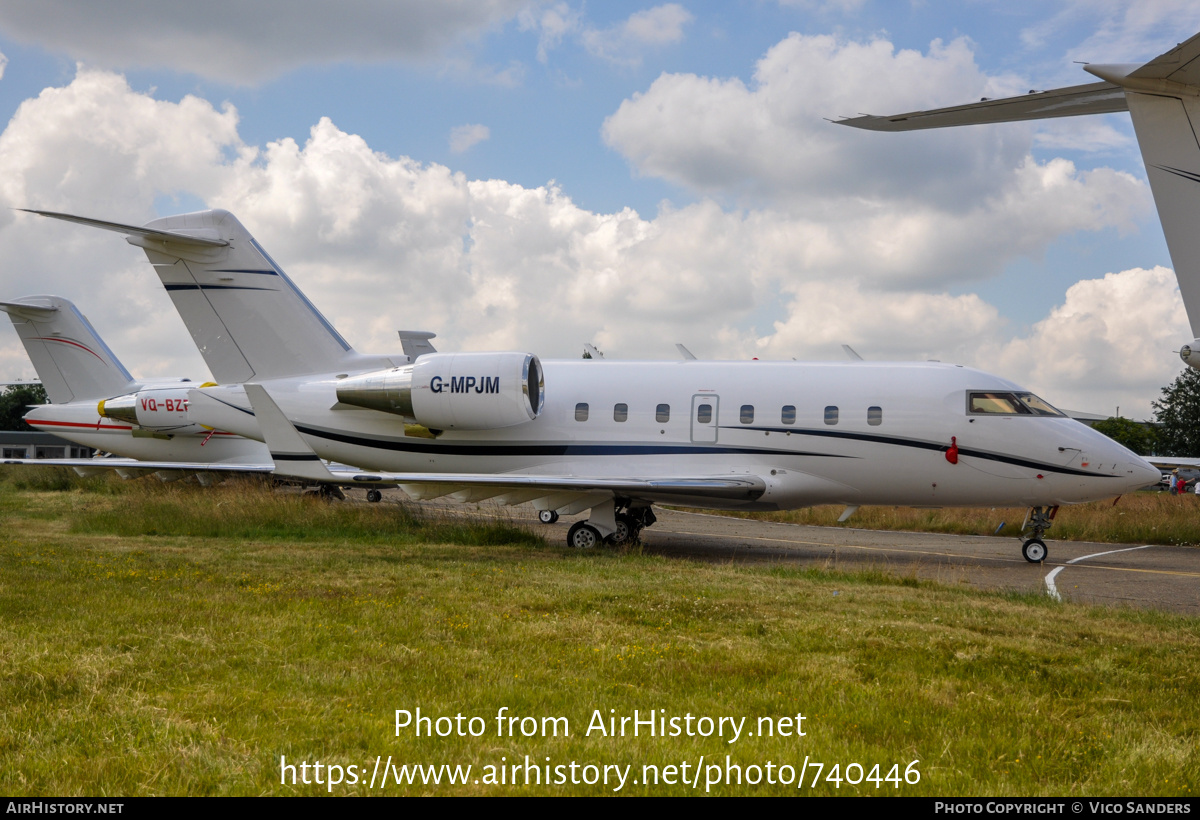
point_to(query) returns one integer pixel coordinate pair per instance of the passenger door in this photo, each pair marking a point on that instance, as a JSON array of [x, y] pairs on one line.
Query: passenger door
[[704, 417]]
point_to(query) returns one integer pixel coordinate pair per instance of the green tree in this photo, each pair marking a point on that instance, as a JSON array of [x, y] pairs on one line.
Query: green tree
[[1137, 436], [14, 403], [1178, 416]]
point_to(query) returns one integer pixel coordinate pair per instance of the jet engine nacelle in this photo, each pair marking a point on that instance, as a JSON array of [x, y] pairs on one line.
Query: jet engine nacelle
[[154, 409], [1190, 353], [454, 391]]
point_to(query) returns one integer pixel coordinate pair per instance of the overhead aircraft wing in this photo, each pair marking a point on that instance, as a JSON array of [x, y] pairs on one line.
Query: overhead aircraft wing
[[293, 457], [1074, 101]]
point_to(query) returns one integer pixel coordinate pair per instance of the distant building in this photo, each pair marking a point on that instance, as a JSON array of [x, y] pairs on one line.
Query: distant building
[[40, 445]]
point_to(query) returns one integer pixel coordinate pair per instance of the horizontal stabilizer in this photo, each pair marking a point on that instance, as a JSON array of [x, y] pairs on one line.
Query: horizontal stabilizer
[[37, 308], [170, 237]]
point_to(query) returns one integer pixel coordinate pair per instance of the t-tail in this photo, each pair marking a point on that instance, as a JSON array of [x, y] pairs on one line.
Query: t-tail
[[71, 359], [246, 316], [1163, 98]]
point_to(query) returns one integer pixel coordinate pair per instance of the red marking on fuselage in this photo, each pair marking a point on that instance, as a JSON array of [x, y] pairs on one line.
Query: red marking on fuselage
[[96, 426]]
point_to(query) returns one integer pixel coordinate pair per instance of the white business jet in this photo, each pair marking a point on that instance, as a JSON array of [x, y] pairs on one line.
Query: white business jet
[[91, 402], [610, 437], [1163, 98]]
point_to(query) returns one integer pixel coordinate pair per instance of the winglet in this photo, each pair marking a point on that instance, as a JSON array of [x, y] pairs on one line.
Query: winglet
[[291, 453]]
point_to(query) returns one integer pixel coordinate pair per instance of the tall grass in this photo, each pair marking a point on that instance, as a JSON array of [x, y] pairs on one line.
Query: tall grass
[[1138, 518], [253, 510]]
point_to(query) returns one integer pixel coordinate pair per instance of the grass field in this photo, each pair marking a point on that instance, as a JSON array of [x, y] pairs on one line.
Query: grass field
[[166, 639]]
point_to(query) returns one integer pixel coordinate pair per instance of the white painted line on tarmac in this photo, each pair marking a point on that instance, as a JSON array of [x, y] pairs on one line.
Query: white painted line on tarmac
[[1052, 590]]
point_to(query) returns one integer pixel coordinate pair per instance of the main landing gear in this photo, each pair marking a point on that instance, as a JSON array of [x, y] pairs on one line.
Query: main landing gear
[[626, 526], [1036, 523]]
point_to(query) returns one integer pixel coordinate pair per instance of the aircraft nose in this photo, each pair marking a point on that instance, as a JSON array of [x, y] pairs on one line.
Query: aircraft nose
[[1145, 473]]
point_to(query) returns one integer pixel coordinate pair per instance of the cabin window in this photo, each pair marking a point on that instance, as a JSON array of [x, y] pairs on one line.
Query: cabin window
[[831, 414], [704, 414], [662, 413], [620, 412], [874, 416], [581, 411], [747, 414], [788, 416], [993, 403]]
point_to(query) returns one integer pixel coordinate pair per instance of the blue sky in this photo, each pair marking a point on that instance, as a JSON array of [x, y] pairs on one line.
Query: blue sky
[[703, 118]]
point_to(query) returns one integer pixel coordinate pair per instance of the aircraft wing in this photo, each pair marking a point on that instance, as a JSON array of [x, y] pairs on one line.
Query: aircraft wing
[[1170, 463], [573, 493], [1076, 100]]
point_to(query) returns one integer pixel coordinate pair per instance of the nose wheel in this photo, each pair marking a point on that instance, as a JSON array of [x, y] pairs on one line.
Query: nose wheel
[[1036, 523], [1034, 550]]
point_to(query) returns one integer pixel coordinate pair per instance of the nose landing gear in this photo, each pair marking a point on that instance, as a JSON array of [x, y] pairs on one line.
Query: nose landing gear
[[1036, 523]]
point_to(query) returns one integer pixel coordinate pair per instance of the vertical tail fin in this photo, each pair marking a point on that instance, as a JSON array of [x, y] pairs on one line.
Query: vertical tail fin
[[71, 359], [248, 319], [1166, 128]]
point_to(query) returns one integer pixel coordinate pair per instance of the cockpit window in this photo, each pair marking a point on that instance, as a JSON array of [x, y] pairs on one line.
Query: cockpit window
[[1008, 404]]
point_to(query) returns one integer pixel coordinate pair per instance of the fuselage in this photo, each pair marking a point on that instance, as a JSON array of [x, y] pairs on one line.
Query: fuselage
[[186, 442], [856, 433]]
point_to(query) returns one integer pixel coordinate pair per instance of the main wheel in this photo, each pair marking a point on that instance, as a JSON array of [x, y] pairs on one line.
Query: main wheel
[[1034, 551], [547, 516], [627, 530], [583, 536], [374, 495]]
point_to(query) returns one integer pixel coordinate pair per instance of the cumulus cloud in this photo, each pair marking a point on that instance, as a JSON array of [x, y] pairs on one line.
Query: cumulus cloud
[[552, 24], [1110, 341], [238, 42], [623, 43], [381, 243], [771, 138], [462, 137], [928, 208], [1122, 30]]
